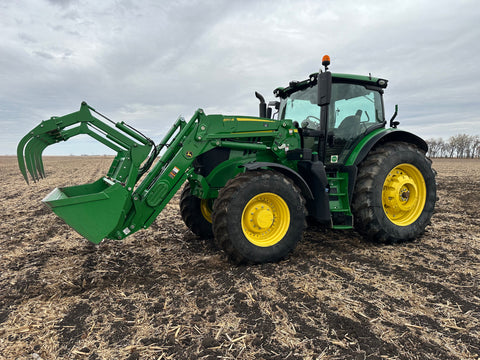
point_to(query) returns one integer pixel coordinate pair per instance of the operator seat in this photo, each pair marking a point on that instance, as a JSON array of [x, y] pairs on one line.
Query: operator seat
[[350, 126]]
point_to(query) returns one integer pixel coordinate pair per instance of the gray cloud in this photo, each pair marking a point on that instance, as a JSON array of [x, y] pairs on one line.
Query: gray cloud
[[62, 3], [146, 62]]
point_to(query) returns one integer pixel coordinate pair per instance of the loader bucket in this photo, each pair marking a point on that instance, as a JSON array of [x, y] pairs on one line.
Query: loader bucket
[[93, 210]]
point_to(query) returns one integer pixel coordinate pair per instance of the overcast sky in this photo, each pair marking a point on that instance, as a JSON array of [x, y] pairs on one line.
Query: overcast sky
[[147, 62]]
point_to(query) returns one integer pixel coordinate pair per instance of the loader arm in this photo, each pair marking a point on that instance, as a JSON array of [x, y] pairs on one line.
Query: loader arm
[[200, 135]]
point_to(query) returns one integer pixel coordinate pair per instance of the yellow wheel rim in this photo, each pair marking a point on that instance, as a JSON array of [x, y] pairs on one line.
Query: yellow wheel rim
[[404, 194], [206, 209], [265, 219]]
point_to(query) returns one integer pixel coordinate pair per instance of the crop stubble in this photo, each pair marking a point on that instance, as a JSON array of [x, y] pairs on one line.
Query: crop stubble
[[164, 294]]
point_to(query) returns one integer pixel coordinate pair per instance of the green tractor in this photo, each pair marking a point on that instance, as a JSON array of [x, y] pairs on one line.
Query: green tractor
[[322, 152]]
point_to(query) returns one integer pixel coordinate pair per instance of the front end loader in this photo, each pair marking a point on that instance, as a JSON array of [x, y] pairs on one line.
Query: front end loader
[[251, 183]]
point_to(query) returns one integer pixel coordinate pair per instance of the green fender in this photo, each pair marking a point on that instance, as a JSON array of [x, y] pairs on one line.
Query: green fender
[[382, 136]]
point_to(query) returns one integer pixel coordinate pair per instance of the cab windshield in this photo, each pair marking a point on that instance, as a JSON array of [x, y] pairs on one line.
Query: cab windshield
[[302, 106]]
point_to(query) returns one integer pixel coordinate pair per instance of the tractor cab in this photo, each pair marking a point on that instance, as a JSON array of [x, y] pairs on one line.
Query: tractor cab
[[333, 123], [334, 113]]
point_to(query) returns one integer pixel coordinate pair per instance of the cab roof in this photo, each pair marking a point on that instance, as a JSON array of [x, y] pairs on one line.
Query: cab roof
[[336, 77]]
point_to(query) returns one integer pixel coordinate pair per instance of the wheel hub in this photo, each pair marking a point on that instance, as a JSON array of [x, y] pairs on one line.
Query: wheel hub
[[404, 194], [400, 193], [265, 219], [262, 218], [259, 216]]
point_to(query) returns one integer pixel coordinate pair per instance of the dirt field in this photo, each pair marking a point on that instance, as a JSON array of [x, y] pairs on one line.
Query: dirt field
[[164, 294]]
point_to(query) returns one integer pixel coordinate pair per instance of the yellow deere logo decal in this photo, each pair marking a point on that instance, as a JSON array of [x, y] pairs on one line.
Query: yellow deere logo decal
[[189, 154]]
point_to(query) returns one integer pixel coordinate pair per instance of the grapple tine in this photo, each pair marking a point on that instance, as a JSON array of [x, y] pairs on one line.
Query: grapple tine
[[30, 158], [29, 152], [40, 164], [39, 160], [45, 140], [21, 156], [33, 155]]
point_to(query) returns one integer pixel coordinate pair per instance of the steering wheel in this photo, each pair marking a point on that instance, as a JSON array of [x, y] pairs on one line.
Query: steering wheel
[[307, 122], [313, 117]]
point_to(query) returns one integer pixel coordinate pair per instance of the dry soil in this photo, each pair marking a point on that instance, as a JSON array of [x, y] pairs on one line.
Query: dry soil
[[162, 293]]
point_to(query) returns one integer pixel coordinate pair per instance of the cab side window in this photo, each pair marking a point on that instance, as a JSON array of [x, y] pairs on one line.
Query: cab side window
[[354, 109]]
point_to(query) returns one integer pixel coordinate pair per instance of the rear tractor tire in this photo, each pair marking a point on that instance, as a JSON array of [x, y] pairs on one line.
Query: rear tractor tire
[[258, 217], [395, 193], [196, 213]]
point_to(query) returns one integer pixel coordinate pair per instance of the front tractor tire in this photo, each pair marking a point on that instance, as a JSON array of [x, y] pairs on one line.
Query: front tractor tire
[[196, 213], [258, 217], [395, 193]]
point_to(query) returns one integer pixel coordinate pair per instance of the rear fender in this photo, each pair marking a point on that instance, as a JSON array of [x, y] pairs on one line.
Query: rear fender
[[388, 135]]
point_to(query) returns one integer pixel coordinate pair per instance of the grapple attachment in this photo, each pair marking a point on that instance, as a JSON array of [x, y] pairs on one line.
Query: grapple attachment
[[131, 146], [95, 209]]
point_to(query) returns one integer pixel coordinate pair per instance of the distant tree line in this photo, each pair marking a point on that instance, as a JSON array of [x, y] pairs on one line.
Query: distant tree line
[[460, 146]]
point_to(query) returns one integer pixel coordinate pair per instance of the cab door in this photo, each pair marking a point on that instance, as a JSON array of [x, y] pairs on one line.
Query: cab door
[[354, 111]]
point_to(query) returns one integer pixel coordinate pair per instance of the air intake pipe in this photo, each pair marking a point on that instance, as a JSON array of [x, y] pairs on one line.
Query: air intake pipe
[[262, 106]]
